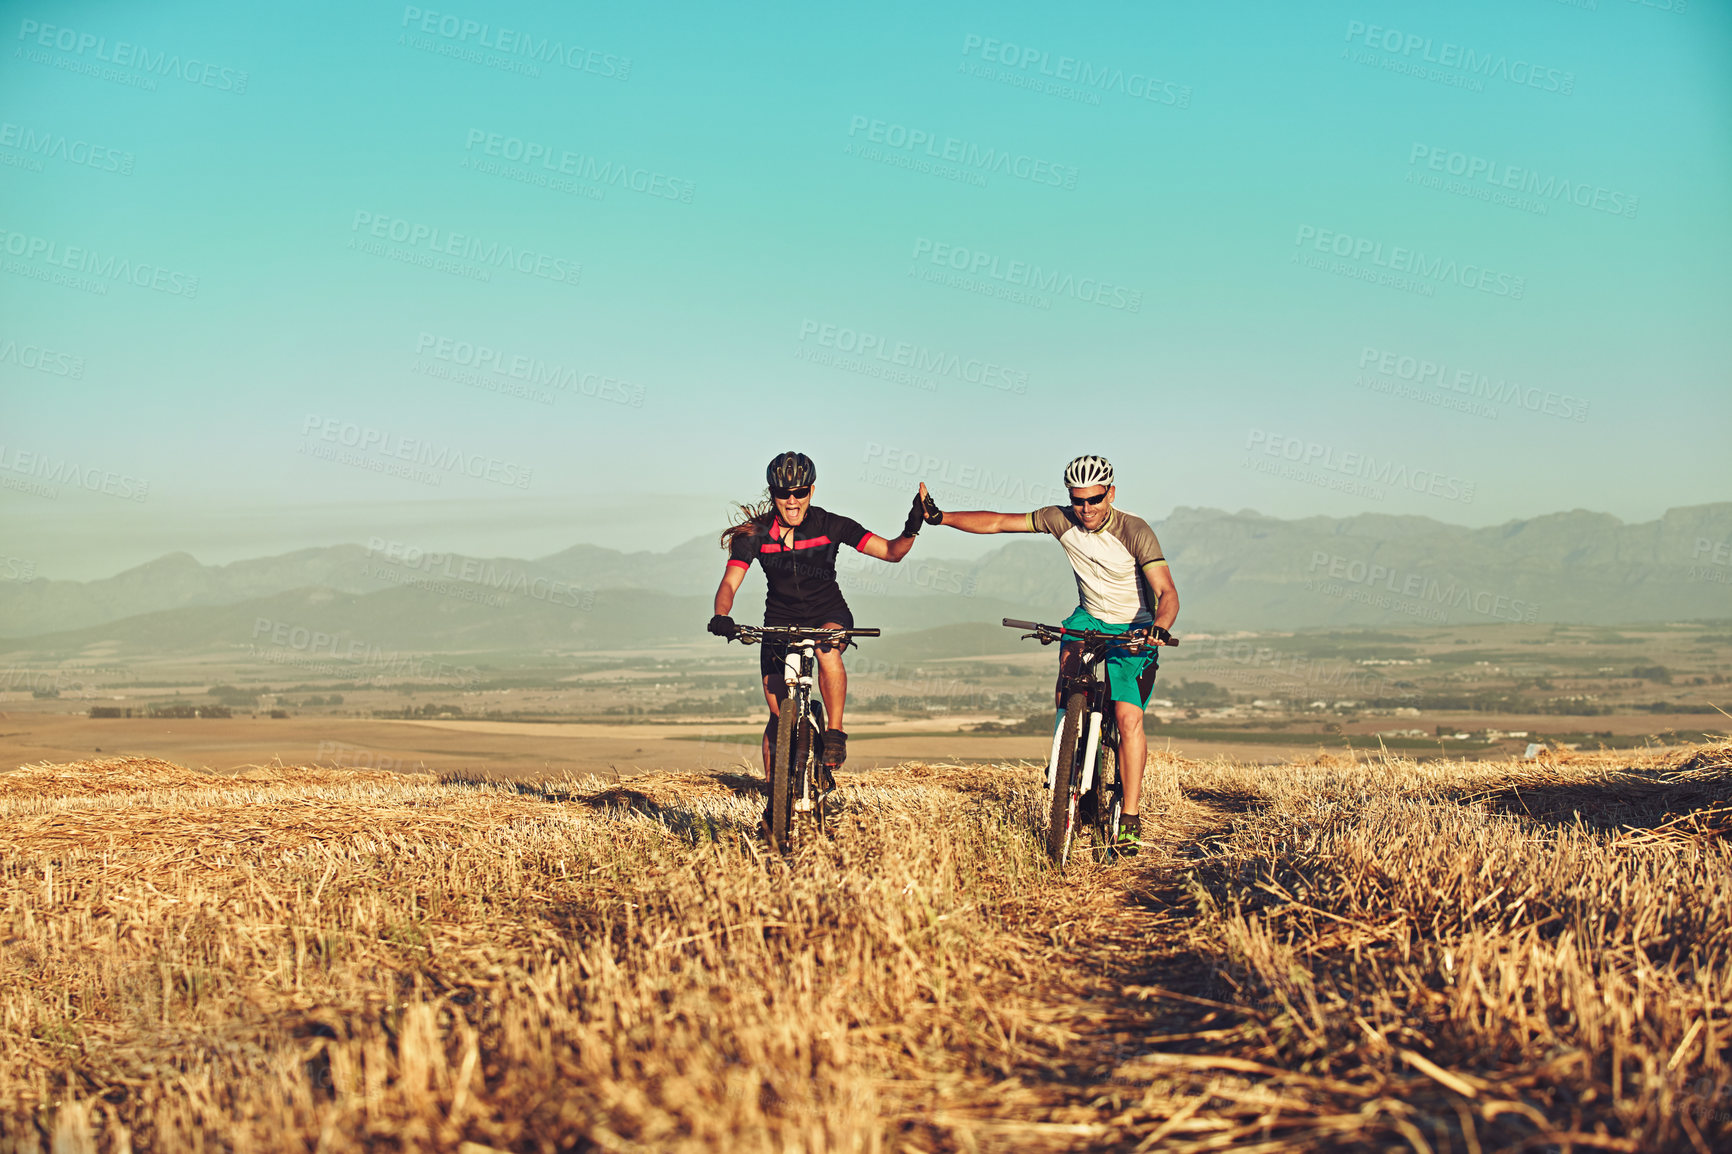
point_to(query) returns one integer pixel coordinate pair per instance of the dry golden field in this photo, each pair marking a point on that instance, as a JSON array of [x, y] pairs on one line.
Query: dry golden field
[[531, 750], [1434, 956]]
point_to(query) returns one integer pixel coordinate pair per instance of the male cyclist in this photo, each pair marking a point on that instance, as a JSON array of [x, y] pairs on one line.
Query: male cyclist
[[1123, 584], [796, 542]]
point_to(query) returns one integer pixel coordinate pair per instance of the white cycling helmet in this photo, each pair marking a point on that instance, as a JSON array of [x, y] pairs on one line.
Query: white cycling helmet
[[1088, 471]]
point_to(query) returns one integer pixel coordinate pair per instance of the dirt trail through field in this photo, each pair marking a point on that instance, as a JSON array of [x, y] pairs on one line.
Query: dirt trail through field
[[1171, 1050], [1129, 990]]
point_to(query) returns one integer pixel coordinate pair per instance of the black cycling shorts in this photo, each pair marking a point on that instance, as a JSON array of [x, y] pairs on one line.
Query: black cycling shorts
[[771, 654]]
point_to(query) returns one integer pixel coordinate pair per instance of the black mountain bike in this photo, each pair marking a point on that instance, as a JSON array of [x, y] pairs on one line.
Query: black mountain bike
[[1082, 775], [796, 802]]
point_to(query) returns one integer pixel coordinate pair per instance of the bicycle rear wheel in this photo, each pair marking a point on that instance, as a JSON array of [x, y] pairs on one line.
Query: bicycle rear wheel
[[1061, 825], [782, 776]]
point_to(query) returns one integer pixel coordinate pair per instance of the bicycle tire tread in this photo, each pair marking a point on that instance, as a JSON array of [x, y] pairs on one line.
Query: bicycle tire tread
[[1061, 822], [781, 779]]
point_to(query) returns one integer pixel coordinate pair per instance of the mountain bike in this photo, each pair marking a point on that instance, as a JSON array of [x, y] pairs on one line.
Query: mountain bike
[[1082, 777], [796, 802]]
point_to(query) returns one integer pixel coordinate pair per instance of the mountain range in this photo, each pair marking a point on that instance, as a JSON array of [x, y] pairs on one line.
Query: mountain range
[[1233, 570]]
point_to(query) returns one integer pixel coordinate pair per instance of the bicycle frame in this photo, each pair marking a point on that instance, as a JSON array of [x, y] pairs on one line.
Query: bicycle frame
[[797, 667]]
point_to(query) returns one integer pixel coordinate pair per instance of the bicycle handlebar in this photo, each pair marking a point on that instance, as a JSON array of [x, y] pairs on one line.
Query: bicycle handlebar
[[1050, 633], [747, 634]]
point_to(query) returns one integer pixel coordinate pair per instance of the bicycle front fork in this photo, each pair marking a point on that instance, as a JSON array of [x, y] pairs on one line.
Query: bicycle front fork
[[797, 674], [1094, 745], [1052, 758], [1090, 748]]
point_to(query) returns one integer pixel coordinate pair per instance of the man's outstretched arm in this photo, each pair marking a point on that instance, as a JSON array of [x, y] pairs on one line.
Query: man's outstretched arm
[[982, 521], [977, 520]]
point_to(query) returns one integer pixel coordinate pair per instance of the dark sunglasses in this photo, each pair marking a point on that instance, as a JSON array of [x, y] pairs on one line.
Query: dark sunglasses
[[1094, 500], [799, 494]]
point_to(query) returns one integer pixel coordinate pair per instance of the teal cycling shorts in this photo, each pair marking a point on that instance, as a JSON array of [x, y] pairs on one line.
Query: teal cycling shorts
[[1130, 676]]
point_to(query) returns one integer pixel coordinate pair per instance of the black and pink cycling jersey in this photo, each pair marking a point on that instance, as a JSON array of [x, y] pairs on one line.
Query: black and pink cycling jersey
[[801, 577]]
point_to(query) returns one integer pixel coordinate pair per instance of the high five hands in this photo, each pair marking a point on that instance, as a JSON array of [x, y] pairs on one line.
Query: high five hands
[[924, 511]]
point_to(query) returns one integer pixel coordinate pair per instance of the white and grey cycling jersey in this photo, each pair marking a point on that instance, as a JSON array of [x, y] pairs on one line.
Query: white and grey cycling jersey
[[1109, 562]]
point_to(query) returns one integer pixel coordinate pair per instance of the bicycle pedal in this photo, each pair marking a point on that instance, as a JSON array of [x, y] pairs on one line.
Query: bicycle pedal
[[803, 806]]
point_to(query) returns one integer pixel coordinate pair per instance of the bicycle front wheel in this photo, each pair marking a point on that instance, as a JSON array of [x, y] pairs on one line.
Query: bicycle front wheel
[[782, 777], [1111, 808], [806, 757], [1066, 777]]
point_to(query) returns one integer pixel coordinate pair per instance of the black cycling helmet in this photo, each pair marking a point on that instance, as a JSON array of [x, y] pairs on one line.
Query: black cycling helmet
[[790, 470]]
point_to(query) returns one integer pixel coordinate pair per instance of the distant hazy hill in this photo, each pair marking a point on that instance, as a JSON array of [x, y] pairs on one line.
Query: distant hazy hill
[[337, 631], [328, 627], [1234, 571], [1248, 571], [177, 580]]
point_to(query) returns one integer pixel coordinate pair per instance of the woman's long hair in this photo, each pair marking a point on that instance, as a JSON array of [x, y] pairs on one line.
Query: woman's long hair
[[753, 519]]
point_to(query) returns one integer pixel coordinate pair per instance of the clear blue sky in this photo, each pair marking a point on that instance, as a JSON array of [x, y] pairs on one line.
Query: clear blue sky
[[1203, 240]]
